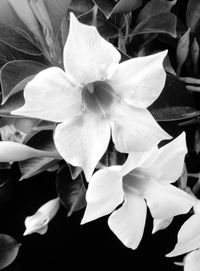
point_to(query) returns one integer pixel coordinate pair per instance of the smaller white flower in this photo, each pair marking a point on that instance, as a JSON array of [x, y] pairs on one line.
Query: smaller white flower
[[39, 221], [192, 261], [144, 180]]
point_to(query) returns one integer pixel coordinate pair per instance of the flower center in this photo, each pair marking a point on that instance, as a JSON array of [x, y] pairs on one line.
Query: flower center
[[97, 97]]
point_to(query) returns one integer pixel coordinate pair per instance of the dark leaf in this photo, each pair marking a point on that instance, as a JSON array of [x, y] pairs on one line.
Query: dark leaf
[[14, 102], [109, 7], [16, 40], [174, 103], [17, 72], [81, 6], [42, 140], [193, 14], [155, 7], [71, 192], [9, 249], [160, 23]]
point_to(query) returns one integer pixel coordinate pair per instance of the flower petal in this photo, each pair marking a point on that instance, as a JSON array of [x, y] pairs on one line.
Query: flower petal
[[188, 237], [140, 80], [88, 56], [51, 95], [166, 200], [192, 261], [134, 129], [104, 194], [39, 221], [128, 221], [167, 164], [161, 224], [82, 141]]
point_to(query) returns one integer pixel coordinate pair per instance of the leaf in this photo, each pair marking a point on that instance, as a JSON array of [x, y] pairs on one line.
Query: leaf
[[57, 10], [6, 186], [70, 192], [17, 72], [174, 103], [195, 55], [81, 6], [160, 23], [14, 102], [182, 51], [155, 7], [109, 7], [17, 41], [41, 140], [193, 14], [9, 249]]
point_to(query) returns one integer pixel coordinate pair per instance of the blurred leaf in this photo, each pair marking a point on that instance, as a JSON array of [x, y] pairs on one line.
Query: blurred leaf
[[70, 192], [193, 14], [155, 7], [9, 249], [195, 56], [160, 23], [109, 7], [16, 74], [174, 103], [14, 39], [182, 51]]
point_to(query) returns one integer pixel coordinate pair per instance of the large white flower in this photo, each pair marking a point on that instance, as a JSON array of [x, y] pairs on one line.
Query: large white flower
[[95, 97], [143, 180]]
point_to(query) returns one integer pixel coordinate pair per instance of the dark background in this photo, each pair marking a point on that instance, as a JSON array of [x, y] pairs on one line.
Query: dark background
[[67, 245]]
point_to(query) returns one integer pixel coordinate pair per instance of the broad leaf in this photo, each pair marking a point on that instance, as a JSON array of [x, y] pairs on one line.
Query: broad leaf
[[16, 40], [109, 7], [14, 102], [71, 192], [155, 7], [9, 249], [160, 23], [174, 103], [15, 74], [193, 14]]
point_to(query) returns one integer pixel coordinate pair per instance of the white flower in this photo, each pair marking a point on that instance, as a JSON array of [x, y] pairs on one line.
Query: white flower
[[39, 221], [96, 97], [143, 180]]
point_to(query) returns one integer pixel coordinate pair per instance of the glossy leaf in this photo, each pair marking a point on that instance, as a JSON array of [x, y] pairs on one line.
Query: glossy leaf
[[109, 7], [174, 102], [14, 102], [195, 55], [70, 192], [182, 50], [9, 249], [193, 14], [14, 39], [160, 23], [155, 7], [15, 74]]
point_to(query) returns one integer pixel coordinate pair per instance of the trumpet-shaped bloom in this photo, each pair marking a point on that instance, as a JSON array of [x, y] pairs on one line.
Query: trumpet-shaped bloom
[[39, 221], [188, 235], [96, 97], [144, 180]]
